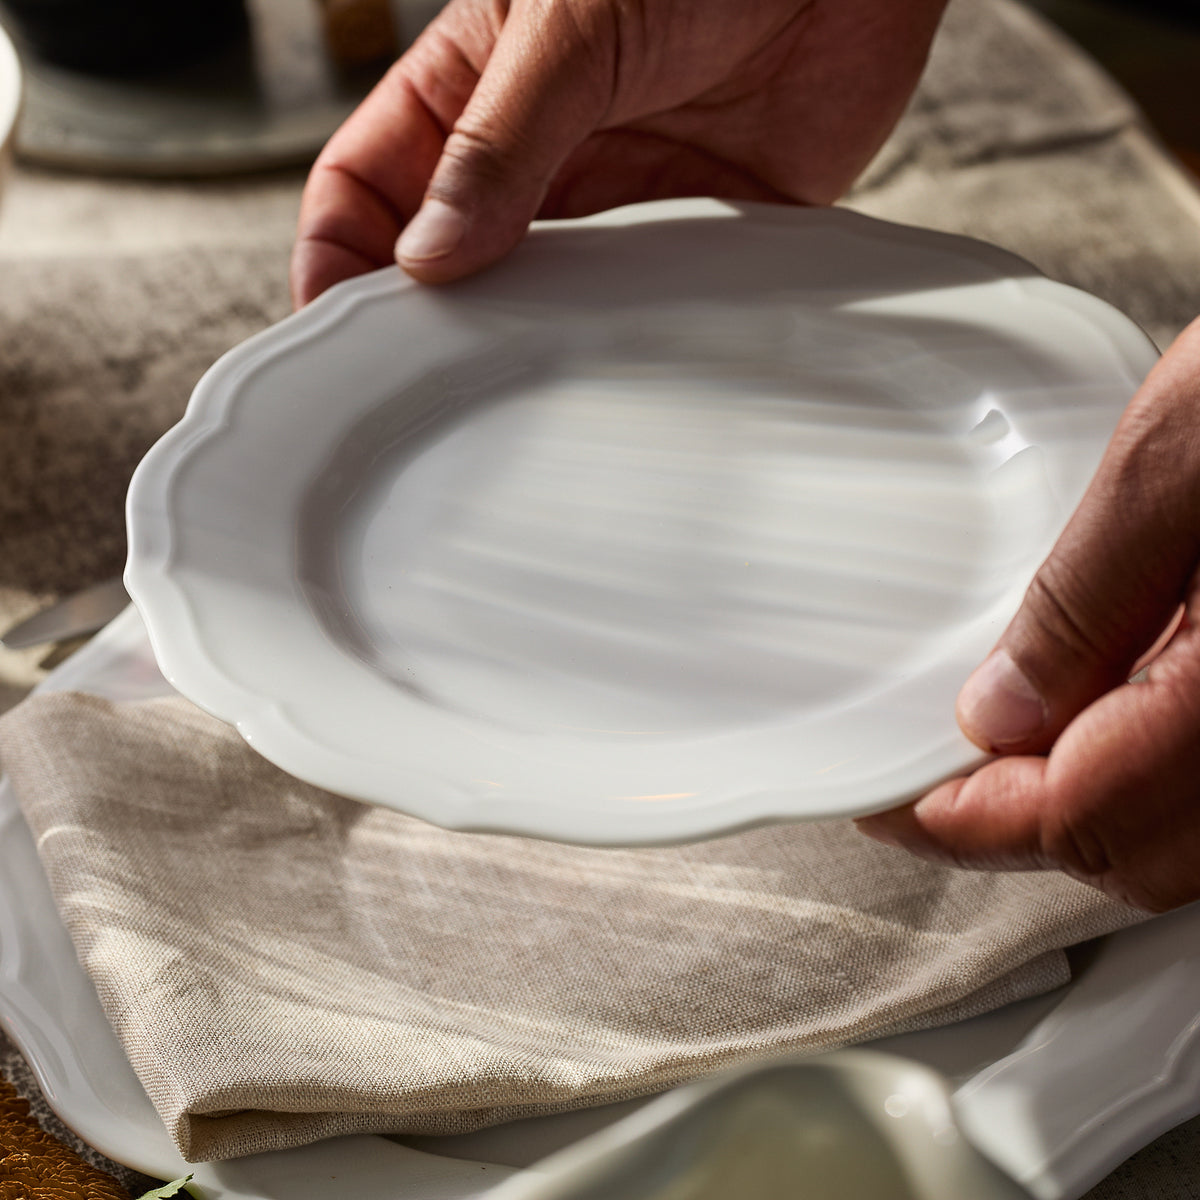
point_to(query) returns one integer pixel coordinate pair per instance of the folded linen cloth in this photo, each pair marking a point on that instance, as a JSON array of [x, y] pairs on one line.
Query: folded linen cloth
[[282, 964]]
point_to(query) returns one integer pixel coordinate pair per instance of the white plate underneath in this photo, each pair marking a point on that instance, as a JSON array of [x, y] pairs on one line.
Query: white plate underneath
[[685, 518], [1056, 1090]]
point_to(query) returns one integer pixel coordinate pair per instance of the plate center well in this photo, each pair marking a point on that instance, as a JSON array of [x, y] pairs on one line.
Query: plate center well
[[637, 547]]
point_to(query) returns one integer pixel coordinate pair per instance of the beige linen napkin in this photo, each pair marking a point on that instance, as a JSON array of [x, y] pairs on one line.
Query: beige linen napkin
[[283, 965]]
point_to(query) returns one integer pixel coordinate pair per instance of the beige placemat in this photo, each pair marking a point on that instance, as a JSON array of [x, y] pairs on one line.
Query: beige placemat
[[282, 964]]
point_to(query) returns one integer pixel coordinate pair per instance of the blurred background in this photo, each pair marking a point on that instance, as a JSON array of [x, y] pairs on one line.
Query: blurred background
[[1152, 48], [195, 87], [212, 86]]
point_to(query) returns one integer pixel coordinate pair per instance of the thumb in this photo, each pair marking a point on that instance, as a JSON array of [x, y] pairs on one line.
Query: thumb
[[546, 86], [1114, 580]]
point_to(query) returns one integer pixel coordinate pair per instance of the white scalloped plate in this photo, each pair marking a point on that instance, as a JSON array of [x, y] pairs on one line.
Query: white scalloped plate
[[685, 518], [1056, 1090]]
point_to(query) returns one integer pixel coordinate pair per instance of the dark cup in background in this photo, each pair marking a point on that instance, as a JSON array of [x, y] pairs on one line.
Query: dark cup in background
[[124, 37]]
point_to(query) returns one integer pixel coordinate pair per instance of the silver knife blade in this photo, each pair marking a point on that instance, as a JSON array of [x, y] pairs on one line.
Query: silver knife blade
[[84, 612]]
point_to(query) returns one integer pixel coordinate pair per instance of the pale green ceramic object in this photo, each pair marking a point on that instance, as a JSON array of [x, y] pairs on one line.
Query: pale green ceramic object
[[854, 1124]]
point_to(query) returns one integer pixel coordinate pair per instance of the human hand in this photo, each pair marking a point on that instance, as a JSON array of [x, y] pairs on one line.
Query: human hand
[[501, 112], [1098, 777]]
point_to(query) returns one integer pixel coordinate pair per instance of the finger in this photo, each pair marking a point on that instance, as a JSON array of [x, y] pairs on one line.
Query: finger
[[545, 87], [346, 228], [1114, 805], [621, 166], [990, 820], [370, 177], [1115, 578]]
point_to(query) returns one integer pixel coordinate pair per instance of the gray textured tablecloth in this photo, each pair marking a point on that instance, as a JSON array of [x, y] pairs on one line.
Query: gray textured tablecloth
[[115, 295]]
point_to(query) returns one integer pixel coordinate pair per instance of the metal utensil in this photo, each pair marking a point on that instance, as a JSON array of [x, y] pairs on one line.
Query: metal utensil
[[82, 613]]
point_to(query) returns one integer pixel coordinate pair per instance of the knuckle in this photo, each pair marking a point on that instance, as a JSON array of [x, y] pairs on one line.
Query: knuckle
[[1176, 677], [1071, 842], [485, 152], [1148, 894], [1133, 865], [1147, 449], [1057, 602]]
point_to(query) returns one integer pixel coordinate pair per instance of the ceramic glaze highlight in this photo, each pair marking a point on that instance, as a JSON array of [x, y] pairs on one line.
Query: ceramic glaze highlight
[[684, 518]]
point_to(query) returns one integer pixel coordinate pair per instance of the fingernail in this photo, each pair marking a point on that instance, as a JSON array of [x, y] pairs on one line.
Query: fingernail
[[998, 706], [433, 233]]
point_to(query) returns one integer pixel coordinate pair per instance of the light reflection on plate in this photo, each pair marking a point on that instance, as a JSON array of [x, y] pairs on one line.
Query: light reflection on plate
[[685, 518]]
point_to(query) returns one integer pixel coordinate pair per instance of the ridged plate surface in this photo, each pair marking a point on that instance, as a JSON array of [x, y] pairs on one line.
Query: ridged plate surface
[[685, 518]]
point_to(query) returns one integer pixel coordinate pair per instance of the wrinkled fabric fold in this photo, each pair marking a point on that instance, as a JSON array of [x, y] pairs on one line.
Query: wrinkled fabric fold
[[282, 964]]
